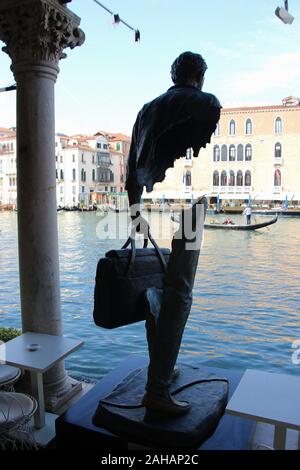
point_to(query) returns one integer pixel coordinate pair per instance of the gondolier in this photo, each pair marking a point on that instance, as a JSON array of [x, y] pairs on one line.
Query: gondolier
[[248, 212]]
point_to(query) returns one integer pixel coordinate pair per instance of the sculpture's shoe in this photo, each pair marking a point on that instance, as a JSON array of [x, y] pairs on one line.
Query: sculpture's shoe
[[175, 373], [165, 404]]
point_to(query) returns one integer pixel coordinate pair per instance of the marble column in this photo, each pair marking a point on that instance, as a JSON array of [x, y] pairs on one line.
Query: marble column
[[35, 33]]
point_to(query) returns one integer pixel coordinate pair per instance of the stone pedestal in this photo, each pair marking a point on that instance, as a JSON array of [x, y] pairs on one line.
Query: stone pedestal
[[35, 33]]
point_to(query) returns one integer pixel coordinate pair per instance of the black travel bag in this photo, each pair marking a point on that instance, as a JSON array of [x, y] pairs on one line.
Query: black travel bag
[[122, 278]]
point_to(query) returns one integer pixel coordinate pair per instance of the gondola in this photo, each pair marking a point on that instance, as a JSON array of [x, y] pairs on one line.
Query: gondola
[[220, 226]]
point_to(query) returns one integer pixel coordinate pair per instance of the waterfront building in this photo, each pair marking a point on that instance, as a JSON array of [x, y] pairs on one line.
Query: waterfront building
[[8, 172], [89, 169], [254, 154]]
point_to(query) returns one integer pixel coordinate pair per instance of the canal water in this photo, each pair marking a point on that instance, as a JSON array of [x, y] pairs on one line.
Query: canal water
[[246, 310]]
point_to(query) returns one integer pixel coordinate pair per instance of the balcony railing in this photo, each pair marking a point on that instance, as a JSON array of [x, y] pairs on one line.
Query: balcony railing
[[232, 189]]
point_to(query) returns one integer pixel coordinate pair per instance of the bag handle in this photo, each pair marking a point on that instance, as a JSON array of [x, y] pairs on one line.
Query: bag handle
[[131, 241]]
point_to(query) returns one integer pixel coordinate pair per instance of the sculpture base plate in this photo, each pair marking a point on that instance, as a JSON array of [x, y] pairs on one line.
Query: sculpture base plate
[[121, 411]]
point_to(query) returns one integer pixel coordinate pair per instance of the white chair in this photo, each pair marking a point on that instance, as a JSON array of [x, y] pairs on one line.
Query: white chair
[[8, 377], [16, 411]]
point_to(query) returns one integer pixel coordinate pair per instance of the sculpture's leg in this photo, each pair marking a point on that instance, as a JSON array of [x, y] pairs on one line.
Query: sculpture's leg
[[153, 298], [175, 309]]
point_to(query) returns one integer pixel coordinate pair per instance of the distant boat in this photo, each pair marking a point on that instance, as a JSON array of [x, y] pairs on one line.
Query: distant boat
[[222, 226], [278, 211]]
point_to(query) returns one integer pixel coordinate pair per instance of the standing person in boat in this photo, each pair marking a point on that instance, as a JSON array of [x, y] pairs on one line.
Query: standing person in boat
[[184, 117], [248, 212]]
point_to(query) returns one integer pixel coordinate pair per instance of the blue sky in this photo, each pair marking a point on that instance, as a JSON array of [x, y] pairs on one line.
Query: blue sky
[[252, 57]]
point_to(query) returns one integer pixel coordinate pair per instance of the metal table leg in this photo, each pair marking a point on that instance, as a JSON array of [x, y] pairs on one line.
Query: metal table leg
[[279, 437], [38, 393]]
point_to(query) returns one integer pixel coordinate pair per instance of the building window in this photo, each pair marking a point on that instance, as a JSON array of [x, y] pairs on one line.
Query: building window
[[216, 178], [82, 174], [239, 178], [118, 146], [216, 156], [248, 153], [188, 178], [217, 131], [61, 159], [248, 178], [248, 127], [73, 158], [82, 189], [223, 178], [73, 174], [82, 157], [105, 146], [278, 150], [224, 153], [11, 146], [277, 178], [240, 153], [231, 178], [98, 145], [93, 159], [74, 190], [232, 127], [61, 174], [93, 175], [56, 171], [278, 125], [232, 153]]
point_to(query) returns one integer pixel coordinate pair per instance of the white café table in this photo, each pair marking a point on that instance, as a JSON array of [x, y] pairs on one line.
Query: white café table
[[269, 398], [51, 349]]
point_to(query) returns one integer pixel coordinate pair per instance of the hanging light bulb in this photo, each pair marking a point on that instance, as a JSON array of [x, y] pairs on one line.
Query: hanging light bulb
[[116, 19], [137, 37]]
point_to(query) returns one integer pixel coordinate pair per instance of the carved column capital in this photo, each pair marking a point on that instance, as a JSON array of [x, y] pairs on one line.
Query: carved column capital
[[38, 30]]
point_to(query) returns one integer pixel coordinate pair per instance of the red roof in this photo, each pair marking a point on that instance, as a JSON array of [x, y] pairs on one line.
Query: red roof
[[247, 109]]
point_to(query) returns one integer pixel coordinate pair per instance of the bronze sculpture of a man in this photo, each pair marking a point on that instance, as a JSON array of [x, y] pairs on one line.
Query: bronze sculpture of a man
[[183, 117]]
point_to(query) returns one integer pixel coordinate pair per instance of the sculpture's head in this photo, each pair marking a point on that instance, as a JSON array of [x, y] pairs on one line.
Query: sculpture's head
[[189, 69]]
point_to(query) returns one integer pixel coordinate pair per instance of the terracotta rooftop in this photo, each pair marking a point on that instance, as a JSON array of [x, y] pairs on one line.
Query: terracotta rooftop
[[11, 135], [80, 147]]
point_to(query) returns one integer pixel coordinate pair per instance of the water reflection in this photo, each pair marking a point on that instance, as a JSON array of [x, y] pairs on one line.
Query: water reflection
[[246, 298]]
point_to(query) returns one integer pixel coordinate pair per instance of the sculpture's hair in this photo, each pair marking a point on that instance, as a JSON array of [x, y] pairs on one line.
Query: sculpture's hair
[[188, 67]]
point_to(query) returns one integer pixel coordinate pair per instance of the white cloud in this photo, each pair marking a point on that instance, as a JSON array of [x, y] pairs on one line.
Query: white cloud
[[278, 76]]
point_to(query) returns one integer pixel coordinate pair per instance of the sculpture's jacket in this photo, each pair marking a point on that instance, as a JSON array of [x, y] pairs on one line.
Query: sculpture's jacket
[[183, 117]]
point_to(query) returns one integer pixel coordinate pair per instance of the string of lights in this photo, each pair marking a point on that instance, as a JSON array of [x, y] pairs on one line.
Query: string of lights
[[8, 88], [117, 20]]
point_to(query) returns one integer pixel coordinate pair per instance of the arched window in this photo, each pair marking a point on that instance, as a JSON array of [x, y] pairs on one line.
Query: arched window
[[216, 178], [216, 157], [239, 178], [217, 131], [248, 178], [73, 174], [61, 174], [248, 127], [188, 178], [277, 178], [82, 174], [93, 175], [278, 125], [232, 127], [224, 178], [231, 178], [232, 153], [224, 153], [248, 153], [240, 153], [278, 150]]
